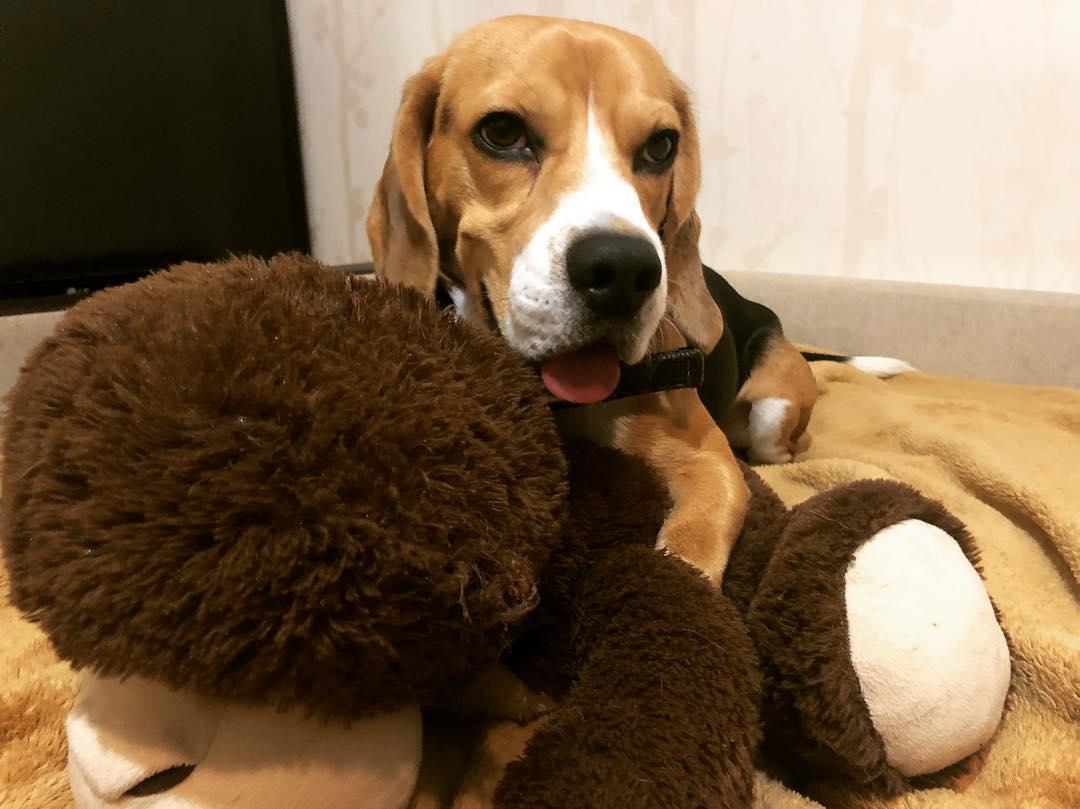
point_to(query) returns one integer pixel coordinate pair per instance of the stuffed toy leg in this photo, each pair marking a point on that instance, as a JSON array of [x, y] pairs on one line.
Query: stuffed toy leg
[[882, 653], [659, 685], [660, 681]]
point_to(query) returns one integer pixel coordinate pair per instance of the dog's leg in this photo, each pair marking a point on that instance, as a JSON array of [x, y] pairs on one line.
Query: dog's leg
[[772, 429], [773, 407], [676, 436]]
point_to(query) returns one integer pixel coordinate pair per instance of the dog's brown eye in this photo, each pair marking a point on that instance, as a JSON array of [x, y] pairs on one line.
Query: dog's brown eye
[[659, 150], [503, 132]]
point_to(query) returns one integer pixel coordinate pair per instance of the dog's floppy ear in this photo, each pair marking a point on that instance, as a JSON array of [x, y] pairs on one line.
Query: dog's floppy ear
[[399, 227], [689, 302]]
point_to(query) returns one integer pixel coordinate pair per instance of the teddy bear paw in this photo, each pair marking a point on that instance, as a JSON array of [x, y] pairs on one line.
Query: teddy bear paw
[[926, 646]]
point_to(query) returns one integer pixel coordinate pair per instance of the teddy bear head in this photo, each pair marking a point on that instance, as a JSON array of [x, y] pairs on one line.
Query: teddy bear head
[[273, 485]]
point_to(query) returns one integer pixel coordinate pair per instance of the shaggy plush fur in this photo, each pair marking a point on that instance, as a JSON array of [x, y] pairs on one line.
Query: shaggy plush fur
[[273, 486], [602, 484], [660, 681], [665, 708], [757, 541]]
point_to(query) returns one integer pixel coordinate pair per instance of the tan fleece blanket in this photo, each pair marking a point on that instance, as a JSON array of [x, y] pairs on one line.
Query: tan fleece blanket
[[1005, 459]]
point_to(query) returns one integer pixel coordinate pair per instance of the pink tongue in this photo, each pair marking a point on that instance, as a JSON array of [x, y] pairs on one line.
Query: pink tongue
[[585, 376]]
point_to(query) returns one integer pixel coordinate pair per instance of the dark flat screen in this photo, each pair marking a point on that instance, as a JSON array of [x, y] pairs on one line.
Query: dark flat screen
[[136, 133]]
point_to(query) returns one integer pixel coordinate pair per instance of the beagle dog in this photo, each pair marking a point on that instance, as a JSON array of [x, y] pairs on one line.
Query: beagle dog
[[542, 178]]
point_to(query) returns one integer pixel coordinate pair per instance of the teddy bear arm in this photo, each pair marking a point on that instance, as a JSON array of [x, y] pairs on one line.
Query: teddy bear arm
[[883, 653], [664, 710]]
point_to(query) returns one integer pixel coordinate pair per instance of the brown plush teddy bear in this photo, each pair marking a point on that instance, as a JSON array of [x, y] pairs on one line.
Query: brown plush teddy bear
[[273, 513]]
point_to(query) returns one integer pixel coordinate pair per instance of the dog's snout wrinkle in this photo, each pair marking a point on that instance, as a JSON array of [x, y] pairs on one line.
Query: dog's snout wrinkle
[[614, 272]]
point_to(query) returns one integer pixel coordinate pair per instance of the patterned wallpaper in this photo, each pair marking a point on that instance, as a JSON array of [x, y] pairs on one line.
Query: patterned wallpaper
[[922, 140]]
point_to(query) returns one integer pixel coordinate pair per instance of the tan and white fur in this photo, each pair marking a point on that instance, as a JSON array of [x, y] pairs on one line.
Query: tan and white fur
[[494, 228]]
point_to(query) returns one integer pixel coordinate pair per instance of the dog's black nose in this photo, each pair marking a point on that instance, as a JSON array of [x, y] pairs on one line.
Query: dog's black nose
[[614, 272]]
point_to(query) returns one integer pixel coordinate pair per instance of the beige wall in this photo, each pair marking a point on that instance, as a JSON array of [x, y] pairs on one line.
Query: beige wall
[[922, 140]]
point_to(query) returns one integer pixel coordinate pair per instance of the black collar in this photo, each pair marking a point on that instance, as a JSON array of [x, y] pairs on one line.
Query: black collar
[[666, 370]]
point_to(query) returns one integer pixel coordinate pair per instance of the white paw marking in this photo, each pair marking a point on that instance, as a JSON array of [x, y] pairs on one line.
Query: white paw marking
[[768, 443]]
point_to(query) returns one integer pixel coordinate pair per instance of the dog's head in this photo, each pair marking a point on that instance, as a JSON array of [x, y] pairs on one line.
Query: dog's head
[[547, 170]]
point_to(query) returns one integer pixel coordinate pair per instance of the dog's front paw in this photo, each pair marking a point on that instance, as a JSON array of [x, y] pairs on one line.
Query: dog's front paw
[[772, 422]]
